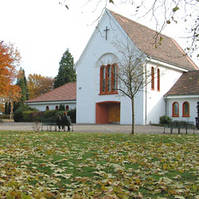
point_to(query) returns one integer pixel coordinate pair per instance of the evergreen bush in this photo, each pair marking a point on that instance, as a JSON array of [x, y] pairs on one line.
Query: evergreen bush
[[27, 114], [61, 107], [165, 120], [19, 113]]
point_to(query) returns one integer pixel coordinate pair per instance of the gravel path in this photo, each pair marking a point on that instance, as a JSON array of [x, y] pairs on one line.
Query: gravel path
[[107, 128]]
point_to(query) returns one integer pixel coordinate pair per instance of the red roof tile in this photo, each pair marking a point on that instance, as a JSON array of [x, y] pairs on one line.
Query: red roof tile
[[143, 37], [63, 93], [187, 84]]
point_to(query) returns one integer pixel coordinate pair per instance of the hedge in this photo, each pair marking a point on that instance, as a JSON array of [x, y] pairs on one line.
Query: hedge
[[22, 114]]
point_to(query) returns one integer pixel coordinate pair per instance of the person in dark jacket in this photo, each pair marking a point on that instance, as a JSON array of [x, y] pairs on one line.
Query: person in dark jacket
[[66, 121], [59, 121]]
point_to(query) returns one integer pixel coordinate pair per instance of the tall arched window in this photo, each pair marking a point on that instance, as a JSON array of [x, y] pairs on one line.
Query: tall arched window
[[175, 109], [158, 79], [185, 109], [114, 78], [152, 78], [108, 79], [102, 79]]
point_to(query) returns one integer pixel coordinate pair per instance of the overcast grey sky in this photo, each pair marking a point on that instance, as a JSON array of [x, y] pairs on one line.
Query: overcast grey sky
[[42, 30]]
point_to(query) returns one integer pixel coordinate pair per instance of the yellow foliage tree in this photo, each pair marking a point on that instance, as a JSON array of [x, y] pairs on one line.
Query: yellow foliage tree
[[38, 85]]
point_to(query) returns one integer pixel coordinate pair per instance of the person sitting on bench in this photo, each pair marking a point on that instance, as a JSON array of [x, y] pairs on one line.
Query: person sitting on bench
[[66, 121]]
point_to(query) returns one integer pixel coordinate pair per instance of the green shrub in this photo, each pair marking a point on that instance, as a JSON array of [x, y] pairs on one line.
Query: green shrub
[[61, 107], [18, 114], [165, 120], [4, 116], [49, 116], [37, 116], [28, 116]]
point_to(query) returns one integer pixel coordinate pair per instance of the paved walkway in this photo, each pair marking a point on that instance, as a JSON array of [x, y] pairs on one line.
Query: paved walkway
[[107, 128]]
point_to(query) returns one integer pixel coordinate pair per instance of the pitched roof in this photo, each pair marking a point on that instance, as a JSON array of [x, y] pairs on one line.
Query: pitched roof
[[143, 37], [187, 84], [63, 93]]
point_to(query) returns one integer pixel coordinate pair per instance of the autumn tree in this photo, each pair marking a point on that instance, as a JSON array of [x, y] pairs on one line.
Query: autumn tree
[[9, 59], [66, 71], [2, 108], [22, 83], [13, 95], [38, 84]]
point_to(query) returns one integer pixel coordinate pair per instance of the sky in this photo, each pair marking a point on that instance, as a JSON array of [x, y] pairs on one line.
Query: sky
[[42, 30]]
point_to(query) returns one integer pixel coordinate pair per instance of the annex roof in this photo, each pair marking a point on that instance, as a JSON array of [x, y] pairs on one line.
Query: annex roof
[[66, 92], [187, 84], [168, 51]]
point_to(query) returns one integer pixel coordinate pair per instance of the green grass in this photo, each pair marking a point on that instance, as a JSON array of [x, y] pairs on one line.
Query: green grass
[[92, 165]]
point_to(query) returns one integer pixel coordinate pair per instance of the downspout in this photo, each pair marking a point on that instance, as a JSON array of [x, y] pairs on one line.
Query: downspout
[[166, 112]]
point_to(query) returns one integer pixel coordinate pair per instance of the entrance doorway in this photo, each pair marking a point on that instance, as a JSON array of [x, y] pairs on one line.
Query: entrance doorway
[[108, 112]]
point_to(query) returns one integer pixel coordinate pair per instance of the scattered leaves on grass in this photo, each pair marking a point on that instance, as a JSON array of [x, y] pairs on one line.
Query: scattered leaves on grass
[[81, 165]]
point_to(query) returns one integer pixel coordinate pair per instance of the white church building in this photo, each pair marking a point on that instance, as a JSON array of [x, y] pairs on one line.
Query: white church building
[[98, 100]]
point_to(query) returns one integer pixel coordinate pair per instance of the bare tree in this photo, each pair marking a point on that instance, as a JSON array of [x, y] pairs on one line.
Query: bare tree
[[162, 13], [133, 75], [166, 12]]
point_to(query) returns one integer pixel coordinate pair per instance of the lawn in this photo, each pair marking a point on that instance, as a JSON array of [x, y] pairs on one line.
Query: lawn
[[90, 165]]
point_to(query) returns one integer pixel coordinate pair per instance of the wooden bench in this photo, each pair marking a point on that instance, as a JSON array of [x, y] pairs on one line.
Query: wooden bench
[[180, 125]]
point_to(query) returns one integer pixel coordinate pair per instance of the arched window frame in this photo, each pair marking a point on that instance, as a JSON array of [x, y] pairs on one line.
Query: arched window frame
[[158, 79], [152, 78], [175, 113], [108, 79], [184, 112]]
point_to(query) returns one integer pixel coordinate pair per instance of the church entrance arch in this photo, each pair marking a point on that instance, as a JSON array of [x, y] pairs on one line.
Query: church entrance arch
[[108, 112]]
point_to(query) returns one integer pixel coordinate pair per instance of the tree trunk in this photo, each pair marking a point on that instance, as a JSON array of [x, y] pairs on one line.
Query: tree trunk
[[133, 117], [11, 110]]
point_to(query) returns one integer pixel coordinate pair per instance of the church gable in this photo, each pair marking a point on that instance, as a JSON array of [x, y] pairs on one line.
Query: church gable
[[107, 34], [112, 27], [143, 37]]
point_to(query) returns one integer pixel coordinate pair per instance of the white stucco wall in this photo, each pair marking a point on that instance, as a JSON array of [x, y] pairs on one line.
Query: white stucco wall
[[155, 100], [41, 106], [101, 51], [192, 100], [149, 104]]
